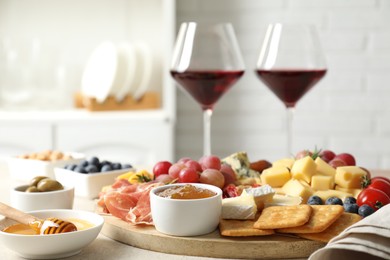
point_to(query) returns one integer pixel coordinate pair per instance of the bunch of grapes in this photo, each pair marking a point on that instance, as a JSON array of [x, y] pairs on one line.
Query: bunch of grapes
[[207, 169]]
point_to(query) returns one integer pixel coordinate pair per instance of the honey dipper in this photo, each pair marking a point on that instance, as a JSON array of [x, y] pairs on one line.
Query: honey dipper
[[41, 226]]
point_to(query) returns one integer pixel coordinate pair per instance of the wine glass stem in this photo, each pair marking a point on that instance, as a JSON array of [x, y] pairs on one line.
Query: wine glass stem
[[290, 116], [207, 131]]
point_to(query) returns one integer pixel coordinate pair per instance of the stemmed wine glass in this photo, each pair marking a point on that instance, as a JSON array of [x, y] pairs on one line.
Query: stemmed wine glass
[[290, 63], [206, 63]]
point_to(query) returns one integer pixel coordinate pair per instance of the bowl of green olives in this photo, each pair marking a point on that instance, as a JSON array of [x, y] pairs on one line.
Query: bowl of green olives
[[40, 193]]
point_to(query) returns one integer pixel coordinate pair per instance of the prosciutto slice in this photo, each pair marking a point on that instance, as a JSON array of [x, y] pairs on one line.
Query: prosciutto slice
[[129, 202]]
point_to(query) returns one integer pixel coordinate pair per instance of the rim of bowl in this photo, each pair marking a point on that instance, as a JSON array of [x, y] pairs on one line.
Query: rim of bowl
[[18, 189], [213, 188], [99, 225]]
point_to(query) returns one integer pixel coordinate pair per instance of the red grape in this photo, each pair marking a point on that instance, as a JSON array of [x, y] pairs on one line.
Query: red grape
[[213, 177], [164, 178], [302, 154], [188, 175], [210, 162], [327, 155], [161, 168], [184, 159], [193, 164], [347, 158], [337, 163], [228, 174], [175, 169]]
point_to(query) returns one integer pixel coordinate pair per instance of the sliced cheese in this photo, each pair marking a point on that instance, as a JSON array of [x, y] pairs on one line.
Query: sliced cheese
[[303, 169], [322, 182], [325, 194], [261, 195], [275, 176], [295, 188], [241, 207], [284, 200], [349, 176], [324, 168], [285, 162]]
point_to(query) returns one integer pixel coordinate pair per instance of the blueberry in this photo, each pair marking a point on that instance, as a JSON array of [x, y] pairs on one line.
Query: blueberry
[[314, 200], [70, 167], [94, 161], [351, 207], [116, 166], [334, 201], [127, 166], [365, 210], [83, 163], [106, 168], [80, 169], [91, 168], [349, 200]]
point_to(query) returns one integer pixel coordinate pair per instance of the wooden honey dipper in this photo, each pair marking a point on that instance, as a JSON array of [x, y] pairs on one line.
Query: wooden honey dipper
[[41, 226]]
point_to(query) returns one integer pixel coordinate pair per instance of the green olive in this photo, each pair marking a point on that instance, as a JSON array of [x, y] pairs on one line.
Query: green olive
[[32, 189], [49, 185], [34, 181]]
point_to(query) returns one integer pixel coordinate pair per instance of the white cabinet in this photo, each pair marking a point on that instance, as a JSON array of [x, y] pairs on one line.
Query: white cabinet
[[75, 28]]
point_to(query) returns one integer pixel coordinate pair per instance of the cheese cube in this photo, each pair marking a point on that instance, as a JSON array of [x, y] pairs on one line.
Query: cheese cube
[[241, 207], [349, 176], [324, 168], [296, 188], [286, 162], [354, 192], [275, 176], [322, 182], [303, 169], [325, 194]]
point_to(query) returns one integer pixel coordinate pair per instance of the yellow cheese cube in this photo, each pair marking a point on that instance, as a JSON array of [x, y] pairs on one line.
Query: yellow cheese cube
[[295, 188], [325, 194], [286, 162], [322, 182], [354, 192], [349, 176], [324, 168], [275, 176], [303, 169]]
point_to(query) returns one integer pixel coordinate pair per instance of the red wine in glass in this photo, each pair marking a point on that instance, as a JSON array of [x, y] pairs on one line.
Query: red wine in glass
[[206, 87], [289, 85]]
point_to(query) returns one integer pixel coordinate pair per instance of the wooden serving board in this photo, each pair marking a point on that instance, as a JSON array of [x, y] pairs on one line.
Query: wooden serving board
[[210, 245]]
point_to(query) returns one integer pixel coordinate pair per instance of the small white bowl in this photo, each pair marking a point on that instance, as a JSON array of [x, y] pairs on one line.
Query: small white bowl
[[87, 185], [27, 201], [26, 169], [52, 246], [186, 217]]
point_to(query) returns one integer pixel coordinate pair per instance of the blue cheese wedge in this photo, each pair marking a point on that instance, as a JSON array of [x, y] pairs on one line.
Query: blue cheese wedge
[[241, 207], [241, 167]]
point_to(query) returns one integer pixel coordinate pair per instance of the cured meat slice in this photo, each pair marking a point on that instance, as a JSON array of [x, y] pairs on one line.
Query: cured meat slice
[[118, 203]]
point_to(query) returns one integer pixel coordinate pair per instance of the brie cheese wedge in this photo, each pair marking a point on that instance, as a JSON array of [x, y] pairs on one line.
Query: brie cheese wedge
[[241, 207]]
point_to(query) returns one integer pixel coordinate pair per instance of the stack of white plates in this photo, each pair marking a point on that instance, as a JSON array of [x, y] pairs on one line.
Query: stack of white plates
[[117, 70]]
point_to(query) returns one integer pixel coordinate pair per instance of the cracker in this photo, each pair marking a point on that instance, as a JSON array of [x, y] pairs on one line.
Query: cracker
[[241, 228], [344, 221], [321, 218], [283, 216]]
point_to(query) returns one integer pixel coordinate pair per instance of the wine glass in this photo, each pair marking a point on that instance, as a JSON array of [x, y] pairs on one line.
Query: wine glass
[[290, 63], [206, 63]]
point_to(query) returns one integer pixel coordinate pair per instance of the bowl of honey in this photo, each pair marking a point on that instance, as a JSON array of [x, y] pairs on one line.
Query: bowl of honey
[[186, 209], [27, 243]]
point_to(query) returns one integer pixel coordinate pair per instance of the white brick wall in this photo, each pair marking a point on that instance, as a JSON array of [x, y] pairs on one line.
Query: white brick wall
[[348, 111]]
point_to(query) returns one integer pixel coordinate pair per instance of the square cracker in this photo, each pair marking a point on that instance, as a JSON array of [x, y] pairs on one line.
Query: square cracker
[[241, 228], [321, 218], [344, 221], [283, 217]]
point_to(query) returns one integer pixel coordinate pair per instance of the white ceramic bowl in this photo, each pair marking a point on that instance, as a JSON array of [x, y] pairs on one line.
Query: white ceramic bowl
[[27, 201], [26, 169], [179, 217], [52, 246], [87, 185]]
